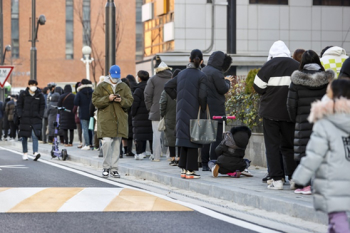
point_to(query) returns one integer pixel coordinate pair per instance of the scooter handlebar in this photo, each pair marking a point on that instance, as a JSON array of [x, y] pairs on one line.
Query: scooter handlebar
[[61, 108], [222, 117]]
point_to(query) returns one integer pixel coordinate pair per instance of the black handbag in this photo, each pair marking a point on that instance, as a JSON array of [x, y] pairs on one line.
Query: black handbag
[[203, 131]]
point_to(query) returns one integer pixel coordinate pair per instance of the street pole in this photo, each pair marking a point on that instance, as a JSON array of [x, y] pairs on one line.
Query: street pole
[[33, 48], [87, 51], [2, 90], [110, 36]]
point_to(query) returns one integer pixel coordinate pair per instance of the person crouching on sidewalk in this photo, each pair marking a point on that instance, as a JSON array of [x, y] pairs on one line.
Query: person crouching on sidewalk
[[231, 152], [112, 98]]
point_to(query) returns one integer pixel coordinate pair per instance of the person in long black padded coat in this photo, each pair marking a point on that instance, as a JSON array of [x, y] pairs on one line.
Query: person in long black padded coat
[[67, 119], [190, 90]]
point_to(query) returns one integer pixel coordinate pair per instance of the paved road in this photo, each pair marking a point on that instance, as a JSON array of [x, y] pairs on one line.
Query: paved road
[[40, 197]]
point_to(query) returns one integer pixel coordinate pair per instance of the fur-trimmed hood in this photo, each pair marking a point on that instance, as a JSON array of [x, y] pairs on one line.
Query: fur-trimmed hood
[[84, 86], [316, 79], [337, 111]]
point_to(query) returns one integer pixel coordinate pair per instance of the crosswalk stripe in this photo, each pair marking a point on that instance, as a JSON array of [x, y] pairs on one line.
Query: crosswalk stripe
[[134, 200], [25, 200], [91, 199], [3, 189], [47, 200], [13, 196]]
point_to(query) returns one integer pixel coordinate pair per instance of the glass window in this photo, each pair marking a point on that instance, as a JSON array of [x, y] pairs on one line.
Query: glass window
[[153, 30], [331, 2], [69, 30], [86, 23], [272, 2], [139, 30], [14, 29]]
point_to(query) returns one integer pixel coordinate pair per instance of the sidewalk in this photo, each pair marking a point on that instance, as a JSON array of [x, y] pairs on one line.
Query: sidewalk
[[247, 191]]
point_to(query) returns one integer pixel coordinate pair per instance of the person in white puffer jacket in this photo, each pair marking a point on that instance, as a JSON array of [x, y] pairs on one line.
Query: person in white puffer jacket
[[328, 156], [333, 57]]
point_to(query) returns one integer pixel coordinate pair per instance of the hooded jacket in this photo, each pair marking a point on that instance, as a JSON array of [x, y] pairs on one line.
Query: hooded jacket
[[154, 89], [307, 86], [168, 111], [67, 119], [142, 126], [189, 88], [328, 156], [333, 58], [82, 100], [230, 156], [217, 85], [30, 110], [112, 117], [272, 82]]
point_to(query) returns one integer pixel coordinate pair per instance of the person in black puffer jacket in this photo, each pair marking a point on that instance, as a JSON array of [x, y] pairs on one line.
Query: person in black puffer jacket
[[230, 152], [83, 100], [142, 126], [67, 119], [189, 88], [30, 107], [218, 86]]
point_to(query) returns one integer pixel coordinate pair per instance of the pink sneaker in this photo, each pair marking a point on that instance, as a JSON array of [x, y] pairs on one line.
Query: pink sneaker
[[305, 191], [235, 174]]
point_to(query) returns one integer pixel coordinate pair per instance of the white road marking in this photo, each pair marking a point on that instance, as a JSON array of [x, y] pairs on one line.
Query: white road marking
[[199, 209], [12, 166], [90, 199], [11, 197]]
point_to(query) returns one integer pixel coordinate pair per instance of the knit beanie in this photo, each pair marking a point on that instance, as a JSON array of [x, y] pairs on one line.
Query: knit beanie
[[241, 135]]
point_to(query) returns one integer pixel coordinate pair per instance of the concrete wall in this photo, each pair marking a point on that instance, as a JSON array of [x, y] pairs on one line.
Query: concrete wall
[[193, 25], [256, 150], [299, 25]]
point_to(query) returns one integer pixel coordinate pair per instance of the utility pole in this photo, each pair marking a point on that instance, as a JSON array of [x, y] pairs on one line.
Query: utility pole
[[110, 36], [33, 48]]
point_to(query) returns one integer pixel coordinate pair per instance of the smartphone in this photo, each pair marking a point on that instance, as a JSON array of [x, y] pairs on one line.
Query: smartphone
[[117, 95]]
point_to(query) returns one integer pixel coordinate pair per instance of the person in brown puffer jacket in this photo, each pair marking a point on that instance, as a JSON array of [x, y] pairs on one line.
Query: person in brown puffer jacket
[[9, 112]]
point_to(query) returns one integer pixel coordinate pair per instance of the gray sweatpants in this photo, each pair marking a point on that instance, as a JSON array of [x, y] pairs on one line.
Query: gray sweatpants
[[111, 152]]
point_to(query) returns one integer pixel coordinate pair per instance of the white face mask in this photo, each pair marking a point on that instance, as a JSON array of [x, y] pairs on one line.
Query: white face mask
[[33, 88], [114, 80]]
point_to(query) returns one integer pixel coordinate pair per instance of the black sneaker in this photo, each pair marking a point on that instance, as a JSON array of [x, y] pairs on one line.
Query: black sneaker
[[37, 156], [173, 163], [115, 174], [266, 178], [130, 154], [205, 168], [105, 173]]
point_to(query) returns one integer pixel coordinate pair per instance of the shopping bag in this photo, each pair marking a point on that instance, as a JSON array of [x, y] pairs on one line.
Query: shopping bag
[[91, 123], [203, 131], [161, 125]]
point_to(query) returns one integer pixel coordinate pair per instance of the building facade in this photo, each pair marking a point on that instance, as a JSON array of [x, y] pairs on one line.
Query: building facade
[[70, 24], [246, 29]]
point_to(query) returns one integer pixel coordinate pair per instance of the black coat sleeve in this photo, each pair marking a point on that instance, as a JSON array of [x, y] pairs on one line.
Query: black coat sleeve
[[261, 81], [222, 86], [92, 109], [171, 88], [137, 101], [220, 149], [20, 102], [292, 102]]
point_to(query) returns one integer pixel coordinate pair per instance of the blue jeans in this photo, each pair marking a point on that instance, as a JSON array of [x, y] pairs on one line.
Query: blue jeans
[[25, 143], [85, 128]]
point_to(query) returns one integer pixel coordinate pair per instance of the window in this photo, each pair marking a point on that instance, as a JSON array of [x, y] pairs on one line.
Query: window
[[272, 2], [139, 31], [86, 23], [331, 2], [153, 30], [14, 29], [69, 30]]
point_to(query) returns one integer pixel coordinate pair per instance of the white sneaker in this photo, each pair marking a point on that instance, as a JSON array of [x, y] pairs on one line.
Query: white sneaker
[[277, 185], [12, 140], [292, 184], [25, 156], [85, 148], [246, 172], [138, 156], [271, 180]]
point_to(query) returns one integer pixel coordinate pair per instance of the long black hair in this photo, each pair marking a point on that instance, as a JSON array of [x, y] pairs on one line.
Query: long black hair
[[309, 57]]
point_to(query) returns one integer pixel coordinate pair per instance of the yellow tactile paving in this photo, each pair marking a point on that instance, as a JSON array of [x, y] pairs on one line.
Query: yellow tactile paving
[[47, 200], [3, 189], [133, 200]]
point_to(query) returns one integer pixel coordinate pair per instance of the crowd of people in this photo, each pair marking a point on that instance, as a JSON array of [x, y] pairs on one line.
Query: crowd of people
[[305, 107]]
